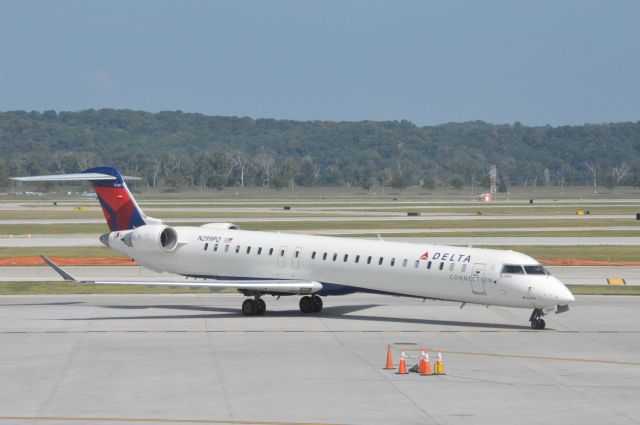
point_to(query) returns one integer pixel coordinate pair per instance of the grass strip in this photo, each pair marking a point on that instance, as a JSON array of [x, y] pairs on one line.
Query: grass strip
[[71, 252], [63, 287], [581, 252], [21, 229], [603, 290]]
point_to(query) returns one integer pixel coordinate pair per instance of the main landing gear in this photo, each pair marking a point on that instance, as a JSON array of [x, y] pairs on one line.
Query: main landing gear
[[255, 307], [537, 322], [311, 304]]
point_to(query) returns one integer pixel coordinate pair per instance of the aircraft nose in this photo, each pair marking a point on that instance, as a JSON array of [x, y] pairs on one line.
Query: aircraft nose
[[563, 294]]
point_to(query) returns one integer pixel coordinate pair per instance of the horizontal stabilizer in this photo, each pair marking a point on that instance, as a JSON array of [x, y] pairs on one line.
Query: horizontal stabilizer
[[265, 286], [71, 177]]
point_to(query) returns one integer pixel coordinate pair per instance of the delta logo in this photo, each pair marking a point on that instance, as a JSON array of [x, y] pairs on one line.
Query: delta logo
[[446, 256]]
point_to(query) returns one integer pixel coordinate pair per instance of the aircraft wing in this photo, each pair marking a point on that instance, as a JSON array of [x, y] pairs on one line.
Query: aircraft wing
[[261, 286]]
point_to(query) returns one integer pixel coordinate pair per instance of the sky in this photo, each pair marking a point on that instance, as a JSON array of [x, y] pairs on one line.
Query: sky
[[430, 62]]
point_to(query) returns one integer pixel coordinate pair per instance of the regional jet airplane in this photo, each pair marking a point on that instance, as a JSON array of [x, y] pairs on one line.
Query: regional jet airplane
[[219, 255]]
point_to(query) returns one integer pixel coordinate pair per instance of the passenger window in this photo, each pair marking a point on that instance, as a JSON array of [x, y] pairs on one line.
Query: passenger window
[[464, 268], [313, 255], [346, 257], [452, 267], [357, 259], [237, 249], [270, 251], [226, 248], [297, 253], [248, 249], [324, 256], [428, 265], [215, 248], [380, 261], [206, 246], [512, 269], [335, 256], [393, 262], [259, 250], [369, 260], [404, 263], [282, 252], [441, 266], [417, 263]]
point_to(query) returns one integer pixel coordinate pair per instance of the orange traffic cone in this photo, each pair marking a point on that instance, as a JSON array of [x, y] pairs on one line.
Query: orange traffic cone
[[402, 367], [389, 358], [439, 364], [426, 368], [421, 363]]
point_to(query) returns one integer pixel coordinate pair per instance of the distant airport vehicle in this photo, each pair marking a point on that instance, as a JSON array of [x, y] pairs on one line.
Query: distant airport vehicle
[[256, 263]]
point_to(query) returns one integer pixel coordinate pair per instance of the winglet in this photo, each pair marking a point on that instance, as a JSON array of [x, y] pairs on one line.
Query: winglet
[[59, 270]]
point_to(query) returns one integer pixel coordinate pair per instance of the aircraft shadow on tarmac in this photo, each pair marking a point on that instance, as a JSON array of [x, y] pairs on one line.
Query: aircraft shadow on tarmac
[[330, 312], [43, 304]]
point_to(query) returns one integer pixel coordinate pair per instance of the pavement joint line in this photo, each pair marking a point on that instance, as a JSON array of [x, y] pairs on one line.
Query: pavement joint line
[[536, 357], [157, 420]]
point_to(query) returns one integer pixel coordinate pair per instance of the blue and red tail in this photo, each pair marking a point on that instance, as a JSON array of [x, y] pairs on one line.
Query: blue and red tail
[[120, 209]]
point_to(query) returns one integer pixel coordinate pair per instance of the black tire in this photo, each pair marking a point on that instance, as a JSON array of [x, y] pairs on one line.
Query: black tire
[[317, 304], [306, 304], [534, 324], [261, 306], [249, 307], [541, 324]]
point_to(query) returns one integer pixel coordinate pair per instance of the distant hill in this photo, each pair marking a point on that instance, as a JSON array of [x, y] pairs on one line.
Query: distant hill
[[180, 149]]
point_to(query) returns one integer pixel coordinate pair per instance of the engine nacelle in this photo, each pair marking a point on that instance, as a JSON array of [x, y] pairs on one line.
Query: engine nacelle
[[223, 226], [153, 238]]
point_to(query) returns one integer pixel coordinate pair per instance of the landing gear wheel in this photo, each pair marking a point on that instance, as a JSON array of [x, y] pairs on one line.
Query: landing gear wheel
[[249, 307], [536, 320], [261, 306], [306, 304], [317, 304]]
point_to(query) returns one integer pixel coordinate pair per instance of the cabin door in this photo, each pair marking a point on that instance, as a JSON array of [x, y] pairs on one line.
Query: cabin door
[[477, 281]]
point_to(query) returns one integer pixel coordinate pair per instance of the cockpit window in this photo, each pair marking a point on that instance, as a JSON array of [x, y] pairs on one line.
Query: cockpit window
[[512, 269], [535, 270]]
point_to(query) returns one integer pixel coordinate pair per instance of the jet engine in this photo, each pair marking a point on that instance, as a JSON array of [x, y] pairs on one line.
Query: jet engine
[[153, 238]]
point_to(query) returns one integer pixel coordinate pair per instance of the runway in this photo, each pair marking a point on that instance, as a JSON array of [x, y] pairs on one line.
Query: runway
[[194, 359], [390, 216]]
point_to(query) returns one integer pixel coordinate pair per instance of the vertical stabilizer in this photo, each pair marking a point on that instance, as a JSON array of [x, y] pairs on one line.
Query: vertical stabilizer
[[118, 205]]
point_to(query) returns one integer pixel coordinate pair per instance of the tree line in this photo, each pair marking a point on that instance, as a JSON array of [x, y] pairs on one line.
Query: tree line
[[176, 149]]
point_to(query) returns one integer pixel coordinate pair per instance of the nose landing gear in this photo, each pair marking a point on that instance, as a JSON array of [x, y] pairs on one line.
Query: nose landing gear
[[537, 322]]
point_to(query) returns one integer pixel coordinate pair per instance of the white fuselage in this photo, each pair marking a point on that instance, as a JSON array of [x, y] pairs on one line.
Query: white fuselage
[[462, 274]]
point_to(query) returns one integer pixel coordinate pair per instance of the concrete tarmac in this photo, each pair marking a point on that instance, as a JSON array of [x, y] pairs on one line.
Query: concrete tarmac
[[194, 359]]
